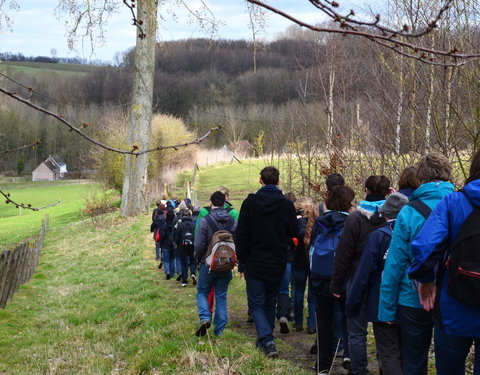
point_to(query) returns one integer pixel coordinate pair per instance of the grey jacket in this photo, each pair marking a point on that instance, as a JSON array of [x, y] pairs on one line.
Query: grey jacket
[[204, 233]]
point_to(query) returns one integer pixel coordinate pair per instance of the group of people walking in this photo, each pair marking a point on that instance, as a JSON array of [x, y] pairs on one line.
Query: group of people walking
[[407, 260]]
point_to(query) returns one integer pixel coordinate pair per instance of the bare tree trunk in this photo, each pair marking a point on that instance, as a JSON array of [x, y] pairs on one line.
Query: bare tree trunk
[[135, 181]]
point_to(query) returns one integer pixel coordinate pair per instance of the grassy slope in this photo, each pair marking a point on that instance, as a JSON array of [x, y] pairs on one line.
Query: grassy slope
[[15, 227], [98, 305], [36, 67]]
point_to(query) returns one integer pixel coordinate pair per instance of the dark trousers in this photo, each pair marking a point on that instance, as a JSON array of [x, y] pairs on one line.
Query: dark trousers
[[357, 341], [262, 299], [188, 263], [451, 353], [388, 345], [325, 317], [416, 329]]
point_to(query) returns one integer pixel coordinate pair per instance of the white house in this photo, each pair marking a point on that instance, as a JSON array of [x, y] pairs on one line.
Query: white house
[[51, 169]]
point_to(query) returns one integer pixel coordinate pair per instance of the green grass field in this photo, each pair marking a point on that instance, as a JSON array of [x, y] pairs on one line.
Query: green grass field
[[17, 224], [36, 67]]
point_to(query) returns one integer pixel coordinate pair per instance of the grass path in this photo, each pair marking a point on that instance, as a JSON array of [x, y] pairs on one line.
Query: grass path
[[98, 305]]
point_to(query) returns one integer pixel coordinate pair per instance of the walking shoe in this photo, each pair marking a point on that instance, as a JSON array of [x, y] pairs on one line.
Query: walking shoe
[[179, 277], [347, 364], [299, 328], [194, 279], [314, 348], [202, 329], [270, 350], [249, 319], [168, 276], [160, 266], [184, 285], [284, 325], [311, 330]]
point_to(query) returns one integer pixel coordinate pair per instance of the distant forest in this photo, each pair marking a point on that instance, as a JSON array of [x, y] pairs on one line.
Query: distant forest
[[288, 95]]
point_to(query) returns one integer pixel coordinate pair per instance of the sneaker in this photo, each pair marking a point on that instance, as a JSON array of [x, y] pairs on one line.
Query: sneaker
[[194, 279], [284, 325], [270, 350], [202, 329], [168, 276], [311, 330], [179, 277], [325, 372], [160, 266], [347, 364], [184, 285]]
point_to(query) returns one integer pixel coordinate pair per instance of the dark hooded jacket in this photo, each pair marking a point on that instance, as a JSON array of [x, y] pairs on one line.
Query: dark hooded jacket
[[330, 221], [358, 226], [205, 232], [266, 225]]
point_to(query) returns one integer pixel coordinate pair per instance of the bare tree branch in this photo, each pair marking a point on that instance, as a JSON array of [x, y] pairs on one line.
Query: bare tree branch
[[385, 37], [25, 206], [137, 23], [79, 130], [37, 142]]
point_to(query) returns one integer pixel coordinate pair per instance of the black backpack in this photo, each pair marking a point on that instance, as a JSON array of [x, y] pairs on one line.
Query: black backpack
[[463, 262], [187, 234]]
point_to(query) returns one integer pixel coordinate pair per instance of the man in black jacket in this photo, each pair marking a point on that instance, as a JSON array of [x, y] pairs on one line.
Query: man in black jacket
[[266, 224]]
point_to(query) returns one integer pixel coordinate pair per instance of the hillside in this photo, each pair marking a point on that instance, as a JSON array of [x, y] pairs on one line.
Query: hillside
[[31, 67]]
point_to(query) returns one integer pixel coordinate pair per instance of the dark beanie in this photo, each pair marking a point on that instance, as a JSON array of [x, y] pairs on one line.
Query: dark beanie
[[393, 205]]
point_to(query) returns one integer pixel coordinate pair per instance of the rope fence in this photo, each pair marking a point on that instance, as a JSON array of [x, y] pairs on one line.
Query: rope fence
[[18, 264]]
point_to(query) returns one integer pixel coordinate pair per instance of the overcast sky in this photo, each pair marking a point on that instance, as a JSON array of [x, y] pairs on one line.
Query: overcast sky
[[36, 30]]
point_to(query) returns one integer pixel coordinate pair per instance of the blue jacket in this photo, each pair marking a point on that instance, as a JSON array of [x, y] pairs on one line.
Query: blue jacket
[[442, 227], [396, 288], [366, 283]]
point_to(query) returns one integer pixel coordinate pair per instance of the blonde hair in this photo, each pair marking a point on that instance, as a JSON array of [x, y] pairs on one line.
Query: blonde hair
[[310, 211], [224, 190]]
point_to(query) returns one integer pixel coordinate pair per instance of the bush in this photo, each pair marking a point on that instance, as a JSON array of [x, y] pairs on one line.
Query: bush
[[165, 130]]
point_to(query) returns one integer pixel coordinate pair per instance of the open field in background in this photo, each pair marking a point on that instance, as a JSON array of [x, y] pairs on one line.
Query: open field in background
[[37, 67], [18, 224]]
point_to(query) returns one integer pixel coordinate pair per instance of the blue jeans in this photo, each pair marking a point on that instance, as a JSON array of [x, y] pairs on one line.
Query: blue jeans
[[178, 261], [300, 278], [206, 280], [188, 263], [262, 299], [416, 327], [451, 353], [158, 251], [168, 261], [284, 303]]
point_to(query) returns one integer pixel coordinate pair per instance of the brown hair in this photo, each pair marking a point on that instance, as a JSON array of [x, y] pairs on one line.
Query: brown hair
[[310, 211], [474, 168], [408, 178], [340, 198], [334, 179], [434, 167], [379, 185], [291, 196], [270, 175]]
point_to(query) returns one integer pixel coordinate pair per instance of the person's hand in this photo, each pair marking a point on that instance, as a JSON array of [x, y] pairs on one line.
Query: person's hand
[[337, 295], [427, 293]]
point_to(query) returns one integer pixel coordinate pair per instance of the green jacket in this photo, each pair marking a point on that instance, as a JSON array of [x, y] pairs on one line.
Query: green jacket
[[204, 212]]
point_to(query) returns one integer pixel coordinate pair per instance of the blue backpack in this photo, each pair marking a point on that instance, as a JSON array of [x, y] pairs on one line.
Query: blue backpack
[[322, 254]]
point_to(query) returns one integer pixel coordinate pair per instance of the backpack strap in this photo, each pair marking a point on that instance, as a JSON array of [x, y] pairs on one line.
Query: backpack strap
[[421, 207]]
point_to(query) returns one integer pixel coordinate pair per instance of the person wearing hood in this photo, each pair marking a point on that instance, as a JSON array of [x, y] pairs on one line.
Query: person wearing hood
[[358, 226], [457, 322], [208, 279], [366, 287], [398, 295], [331, 222], [266, 225]]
